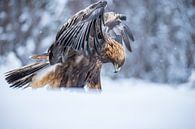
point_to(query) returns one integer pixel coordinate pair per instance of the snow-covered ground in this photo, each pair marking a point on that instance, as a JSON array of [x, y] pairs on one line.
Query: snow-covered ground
[[123, 104]]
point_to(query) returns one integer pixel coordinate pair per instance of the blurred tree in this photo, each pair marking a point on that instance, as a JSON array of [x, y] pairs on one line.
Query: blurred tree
[[26, 26], [18, 27]]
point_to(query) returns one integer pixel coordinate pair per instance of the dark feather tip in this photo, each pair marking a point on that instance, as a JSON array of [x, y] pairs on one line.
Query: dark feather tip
[[123, 17]]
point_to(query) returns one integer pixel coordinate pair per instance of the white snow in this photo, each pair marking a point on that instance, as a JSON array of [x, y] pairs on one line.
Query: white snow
[[123, 104]]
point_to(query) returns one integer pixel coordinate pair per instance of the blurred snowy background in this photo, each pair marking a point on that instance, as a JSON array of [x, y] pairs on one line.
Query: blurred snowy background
[[155, 88]]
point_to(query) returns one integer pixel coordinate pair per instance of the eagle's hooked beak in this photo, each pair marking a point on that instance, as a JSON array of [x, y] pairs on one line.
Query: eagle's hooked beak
[[117, 68]]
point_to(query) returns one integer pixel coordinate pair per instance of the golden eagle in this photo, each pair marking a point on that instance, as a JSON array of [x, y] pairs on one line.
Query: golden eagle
[[88, 39]]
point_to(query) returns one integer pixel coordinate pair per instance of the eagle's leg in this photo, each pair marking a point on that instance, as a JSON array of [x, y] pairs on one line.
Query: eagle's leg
[[94, 84], [93, 81]]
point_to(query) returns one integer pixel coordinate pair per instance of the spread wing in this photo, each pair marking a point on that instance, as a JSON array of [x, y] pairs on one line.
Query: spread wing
[[118, 30], [81, 16], [85, 36]]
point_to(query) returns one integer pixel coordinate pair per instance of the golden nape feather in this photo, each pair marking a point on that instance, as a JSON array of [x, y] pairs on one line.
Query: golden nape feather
[[87, 40], [114, 51]]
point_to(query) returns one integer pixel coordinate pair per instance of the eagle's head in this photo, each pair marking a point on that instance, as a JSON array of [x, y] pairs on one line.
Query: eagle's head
[[113, 17], [114, 53]]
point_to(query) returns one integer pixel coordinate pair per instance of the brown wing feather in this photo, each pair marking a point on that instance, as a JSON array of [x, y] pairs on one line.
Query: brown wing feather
[[44, 56], [80, 16], [78, 37]]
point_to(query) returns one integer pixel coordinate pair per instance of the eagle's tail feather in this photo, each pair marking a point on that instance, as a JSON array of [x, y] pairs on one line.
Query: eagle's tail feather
[[22, 77]]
